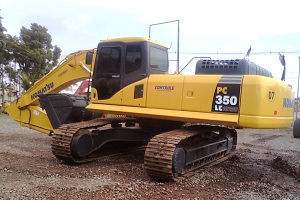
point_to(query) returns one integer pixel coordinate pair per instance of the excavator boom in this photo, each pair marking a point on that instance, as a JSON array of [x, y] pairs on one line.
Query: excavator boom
[[26, 110]]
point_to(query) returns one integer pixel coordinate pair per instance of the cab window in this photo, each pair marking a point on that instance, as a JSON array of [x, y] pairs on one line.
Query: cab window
[[109, 60], [133, 58], [158, 59]]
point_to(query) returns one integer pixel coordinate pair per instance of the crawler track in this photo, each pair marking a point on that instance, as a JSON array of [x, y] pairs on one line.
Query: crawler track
[[168, 155], [62, 138], [161, 151]]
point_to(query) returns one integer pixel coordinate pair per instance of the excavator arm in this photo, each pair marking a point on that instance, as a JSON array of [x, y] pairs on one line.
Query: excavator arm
[[26, 110]]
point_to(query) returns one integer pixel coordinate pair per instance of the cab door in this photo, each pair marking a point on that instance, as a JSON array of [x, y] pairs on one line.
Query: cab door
[[107, 79], [135, 63]]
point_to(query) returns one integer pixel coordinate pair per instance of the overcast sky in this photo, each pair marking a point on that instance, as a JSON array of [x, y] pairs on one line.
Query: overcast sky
[[206, 26]]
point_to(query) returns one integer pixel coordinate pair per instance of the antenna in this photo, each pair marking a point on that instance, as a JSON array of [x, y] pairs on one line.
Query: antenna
[[170, 46]]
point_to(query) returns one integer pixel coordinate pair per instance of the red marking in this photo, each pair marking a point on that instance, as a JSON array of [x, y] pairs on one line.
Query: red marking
[[275, 112]]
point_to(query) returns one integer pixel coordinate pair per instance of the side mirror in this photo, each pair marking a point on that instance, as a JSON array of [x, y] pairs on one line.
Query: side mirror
[[89, 58]]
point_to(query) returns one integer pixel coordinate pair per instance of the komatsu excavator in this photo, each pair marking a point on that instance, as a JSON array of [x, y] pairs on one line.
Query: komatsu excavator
[[185, 120]]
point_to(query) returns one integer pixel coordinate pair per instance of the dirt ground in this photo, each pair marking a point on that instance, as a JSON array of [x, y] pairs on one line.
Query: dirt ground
[[266, 166]]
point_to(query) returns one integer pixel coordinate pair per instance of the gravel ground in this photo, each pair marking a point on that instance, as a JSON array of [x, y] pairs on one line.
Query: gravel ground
[[266, 166]]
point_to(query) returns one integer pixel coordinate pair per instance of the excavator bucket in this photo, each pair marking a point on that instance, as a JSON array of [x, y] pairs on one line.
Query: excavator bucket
[[64, 108]]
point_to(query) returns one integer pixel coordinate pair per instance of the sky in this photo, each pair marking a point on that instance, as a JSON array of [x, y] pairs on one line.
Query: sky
[[220, 29]]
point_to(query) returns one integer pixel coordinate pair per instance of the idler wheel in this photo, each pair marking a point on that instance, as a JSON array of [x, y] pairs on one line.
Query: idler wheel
[[178, 161]]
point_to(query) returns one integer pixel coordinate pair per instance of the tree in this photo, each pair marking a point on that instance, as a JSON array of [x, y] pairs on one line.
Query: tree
[[3, 59], [35, 54], [2, 42]]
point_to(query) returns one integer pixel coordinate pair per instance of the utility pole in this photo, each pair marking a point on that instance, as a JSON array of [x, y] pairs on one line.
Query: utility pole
[[2, 85], [2, 46], [297, 105]]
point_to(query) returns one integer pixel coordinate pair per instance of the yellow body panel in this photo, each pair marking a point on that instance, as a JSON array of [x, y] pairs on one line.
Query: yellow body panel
[[165, 92], [198, 93], [246, 101], [127, 95], [265, 103]]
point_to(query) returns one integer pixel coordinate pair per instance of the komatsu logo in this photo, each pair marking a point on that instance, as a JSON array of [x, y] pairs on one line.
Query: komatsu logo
[[46, 88], [288, 103], [164, 88]]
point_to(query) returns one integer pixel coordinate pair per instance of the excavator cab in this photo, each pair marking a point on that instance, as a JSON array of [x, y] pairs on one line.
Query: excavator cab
[[118, 62], [122, 61]]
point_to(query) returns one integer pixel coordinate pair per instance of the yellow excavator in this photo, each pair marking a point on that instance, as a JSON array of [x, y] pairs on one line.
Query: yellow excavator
[[185, 121]]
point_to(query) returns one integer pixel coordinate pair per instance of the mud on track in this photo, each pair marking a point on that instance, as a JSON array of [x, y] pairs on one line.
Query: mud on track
[[266, 166]]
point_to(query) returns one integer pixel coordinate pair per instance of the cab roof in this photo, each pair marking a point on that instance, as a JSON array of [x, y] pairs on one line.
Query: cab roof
[[131, 39]]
